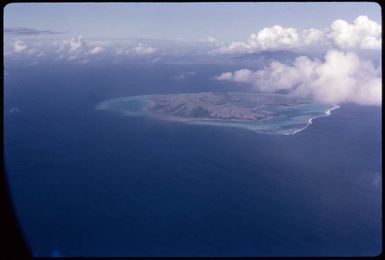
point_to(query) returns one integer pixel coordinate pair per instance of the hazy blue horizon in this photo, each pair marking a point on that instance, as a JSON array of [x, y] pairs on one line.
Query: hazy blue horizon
[[195, 20]]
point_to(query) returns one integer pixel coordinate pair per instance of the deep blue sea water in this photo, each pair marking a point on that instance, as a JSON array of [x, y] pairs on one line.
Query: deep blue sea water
[[93, 183]]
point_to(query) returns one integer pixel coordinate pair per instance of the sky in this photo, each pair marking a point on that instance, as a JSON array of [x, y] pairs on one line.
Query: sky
[[338, 45], [188, 21]]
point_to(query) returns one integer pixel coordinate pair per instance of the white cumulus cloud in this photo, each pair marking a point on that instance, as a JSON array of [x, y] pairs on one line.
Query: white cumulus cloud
[[184, 75], [142, 49], [211, 39], [19, 46], [79, 49], [363, 33], [97, 50], [77, 43], [274, 37], [340, 77]]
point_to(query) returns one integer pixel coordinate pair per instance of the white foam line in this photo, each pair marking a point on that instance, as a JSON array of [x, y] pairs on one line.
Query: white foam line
[[328, 112]]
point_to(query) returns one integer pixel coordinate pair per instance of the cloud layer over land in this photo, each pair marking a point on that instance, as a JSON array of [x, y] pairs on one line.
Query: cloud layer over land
[[340, 77], [363, 33]]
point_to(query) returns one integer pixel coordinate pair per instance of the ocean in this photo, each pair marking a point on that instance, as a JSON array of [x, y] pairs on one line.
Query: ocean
[[86, 182]]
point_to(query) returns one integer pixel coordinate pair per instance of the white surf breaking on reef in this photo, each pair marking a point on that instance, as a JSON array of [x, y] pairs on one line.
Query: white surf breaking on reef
[[310, 121]]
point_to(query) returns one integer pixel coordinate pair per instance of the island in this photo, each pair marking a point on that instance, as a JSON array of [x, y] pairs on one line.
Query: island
[[260, 112]]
